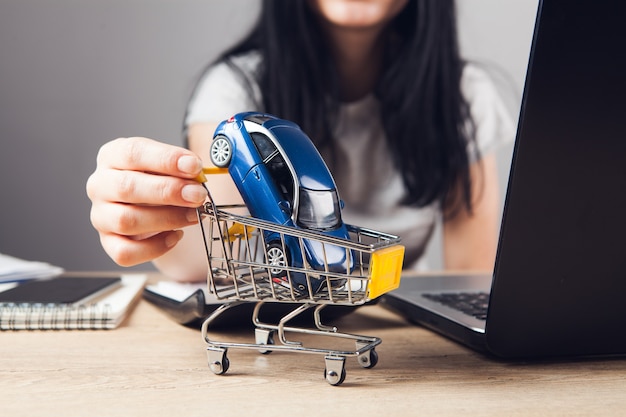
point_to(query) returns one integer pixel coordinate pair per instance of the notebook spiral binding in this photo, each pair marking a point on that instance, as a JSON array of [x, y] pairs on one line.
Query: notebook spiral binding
[[54, 317]]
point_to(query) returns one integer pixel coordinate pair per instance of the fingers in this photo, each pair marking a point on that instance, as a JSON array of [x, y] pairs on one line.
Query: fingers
[[135, 187], [126, 251], [142, 191], [144, 171], [133, 220], [143, 154]]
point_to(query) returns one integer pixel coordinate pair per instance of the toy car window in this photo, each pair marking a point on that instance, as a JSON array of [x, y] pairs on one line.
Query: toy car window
[[281, 175], [318, 209], [258, 118], [263, 144]]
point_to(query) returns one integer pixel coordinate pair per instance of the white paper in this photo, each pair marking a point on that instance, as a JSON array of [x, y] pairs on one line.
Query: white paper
[[16, 269]]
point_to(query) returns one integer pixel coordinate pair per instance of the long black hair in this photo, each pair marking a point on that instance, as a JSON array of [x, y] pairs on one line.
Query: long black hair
[[424, 114]]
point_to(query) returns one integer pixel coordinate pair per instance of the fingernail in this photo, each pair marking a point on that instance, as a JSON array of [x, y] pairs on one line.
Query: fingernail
[[192, 216], [173, 238], [194, 193], [189, 164]]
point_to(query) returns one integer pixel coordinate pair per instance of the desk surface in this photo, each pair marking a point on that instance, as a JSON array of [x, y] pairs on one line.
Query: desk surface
[[151, 366]]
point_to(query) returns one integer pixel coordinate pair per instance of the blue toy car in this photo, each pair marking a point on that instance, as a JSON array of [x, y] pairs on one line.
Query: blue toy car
[[283, 179]]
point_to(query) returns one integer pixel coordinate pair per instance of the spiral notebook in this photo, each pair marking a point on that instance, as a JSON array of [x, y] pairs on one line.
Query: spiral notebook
[[69, 303]]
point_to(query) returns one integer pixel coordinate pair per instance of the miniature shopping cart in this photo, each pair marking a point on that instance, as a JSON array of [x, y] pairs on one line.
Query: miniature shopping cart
[[242, 269]]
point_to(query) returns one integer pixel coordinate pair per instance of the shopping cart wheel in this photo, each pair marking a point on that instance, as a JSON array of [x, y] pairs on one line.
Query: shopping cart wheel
[[335, 371], [368, 359], [264, 337], [218, 361]]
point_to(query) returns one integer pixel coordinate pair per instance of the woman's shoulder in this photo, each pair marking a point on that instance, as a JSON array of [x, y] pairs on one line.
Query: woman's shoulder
[[476, 80], [247, 63], [480, 89], [493, 120], [227, 87]]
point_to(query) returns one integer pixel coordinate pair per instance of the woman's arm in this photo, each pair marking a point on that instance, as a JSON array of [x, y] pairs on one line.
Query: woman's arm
[[470, 239]]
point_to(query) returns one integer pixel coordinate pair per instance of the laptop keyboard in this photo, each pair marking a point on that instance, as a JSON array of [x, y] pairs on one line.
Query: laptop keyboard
[[472, 303]]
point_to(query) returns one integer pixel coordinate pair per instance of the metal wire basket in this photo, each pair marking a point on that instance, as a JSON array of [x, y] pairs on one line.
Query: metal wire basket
[[242, 268]]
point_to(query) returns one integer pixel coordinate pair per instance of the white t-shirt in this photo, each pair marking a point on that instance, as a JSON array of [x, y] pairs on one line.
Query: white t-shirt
[[367, 180]]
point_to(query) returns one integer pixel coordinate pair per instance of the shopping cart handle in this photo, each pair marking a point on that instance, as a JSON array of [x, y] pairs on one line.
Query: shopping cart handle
[[210, 171], [386, 270]]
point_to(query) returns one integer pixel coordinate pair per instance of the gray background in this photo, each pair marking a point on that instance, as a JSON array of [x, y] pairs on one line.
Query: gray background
[[77, 73]]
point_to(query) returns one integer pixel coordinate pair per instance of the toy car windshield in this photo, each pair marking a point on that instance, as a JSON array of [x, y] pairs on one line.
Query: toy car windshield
[[318, 209]]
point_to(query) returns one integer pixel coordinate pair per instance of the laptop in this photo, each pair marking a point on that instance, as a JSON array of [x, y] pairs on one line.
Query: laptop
[[558, 286]]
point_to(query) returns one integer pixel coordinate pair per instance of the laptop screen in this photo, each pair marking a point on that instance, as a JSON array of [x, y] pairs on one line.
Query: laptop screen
[[563, 236]]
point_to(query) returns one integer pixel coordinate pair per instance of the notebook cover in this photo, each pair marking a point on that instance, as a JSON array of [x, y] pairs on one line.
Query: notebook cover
[[60, 290]]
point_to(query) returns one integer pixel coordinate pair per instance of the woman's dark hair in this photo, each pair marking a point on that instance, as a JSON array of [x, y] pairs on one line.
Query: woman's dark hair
[[424, 114]]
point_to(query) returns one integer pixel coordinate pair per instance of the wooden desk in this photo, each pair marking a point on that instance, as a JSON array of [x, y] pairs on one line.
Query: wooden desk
[[152, 366]]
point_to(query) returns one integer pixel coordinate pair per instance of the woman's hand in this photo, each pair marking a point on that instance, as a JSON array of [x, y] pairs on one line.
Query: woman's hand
[[142, 193]]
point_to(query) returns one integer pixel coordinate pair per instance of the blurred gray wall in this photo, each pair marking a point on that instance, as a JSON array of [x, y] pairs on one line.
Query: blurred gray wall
[[77, 73]]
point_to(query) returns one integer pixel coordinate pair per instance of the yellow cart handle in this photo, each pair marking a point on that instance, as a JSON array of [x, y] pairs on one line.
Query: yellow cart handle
[[210, 171]]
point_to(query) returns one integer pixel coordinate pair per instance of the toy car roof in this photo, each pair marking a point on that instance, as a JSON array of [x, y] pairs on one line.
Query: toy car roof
[[303, 156]]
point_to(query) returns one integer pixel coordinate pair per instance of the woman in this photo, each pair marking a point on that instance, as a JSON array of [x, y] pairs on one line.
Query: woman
[[406, 127]]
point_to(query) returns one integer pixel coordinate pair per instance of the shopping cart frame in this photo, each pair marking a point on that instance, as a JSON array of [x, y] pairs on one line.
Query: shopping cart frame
[[238, 272]]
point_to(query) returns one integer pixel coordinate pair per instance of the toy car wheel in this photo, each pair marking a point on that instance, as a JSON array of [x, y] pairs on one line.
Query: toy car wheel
[[277, 257], [221, 151]]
